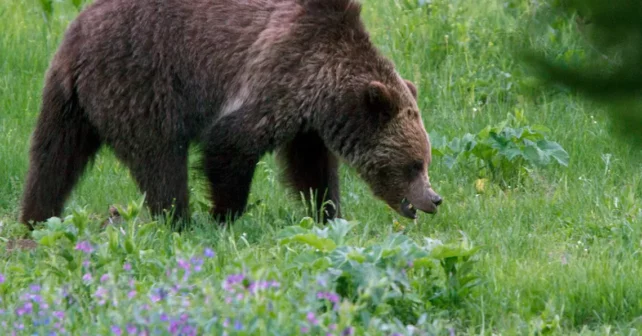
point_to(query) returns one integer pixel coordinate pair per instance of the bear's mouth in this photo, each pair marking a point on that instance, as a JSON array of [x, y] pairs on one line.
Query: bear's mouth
[[407, 209]]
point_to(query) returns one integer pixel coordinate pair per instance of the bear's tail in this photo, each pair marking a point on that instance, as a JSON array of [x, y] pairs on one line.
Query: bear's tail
[[61, 146]]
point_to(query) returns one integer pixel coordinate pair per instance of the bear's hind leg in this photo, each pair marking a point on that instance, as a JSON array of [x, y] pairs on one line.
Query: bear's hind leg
[[62, 145], [311, 169]]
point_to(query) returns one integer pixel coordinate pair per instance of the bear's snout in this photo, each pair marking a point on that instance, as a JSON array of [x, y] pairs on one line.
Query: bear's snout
[[437, 200]]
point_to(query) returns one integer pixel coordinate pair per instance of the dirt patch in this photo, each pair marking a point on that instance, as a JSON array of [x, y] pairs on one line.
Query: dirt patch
[[21, 244]]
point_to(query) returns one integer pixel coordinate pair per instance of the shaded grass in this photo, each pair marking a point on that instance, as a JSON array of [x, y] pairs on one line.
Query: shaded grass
[[568, 243]]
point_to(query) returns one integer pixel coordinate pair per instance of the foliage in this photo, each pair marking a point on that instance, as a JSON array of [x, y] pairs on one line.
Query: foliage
[[377, 276], [503, 151], [611, 72], [114, 279], [560, 259]]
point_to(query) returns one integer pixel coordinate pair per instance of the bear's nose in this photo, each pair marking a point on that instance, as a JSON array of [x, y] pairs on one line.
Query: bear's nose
[[437, 200]]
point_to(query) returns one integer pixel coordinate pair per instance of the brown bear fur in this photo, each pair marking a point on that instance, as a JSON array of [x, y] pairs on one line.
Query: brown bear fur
[[242, 78]]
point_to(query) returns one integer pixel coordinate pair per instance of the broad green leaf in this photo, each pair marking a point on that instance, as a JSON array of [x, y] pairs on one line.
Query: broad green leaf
[[533, 154], [339, 228], [291, 231], [555, 150], [356, 256], [450, 251], [307, 223], [323, 244]]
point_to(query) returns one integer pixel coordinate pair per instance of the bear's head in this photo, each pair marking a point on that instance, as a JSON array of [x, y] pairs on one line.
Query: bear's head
[[392, 152]]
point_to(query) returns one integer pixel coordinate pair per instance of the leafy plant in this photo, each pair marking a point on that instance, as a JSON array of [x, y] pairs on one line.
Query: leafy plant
[[503, 151], [377, 277]]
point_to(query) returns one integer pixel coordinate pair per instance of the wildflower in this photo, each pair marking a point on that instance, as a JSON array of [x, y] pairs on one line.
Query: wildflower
[[274, 284], [27, 308], [59, 315], [348, 331], [131, 329], [86, 263], [84, 246], [232, 280], [127, 267], [173, 327], [159, 294], [2, 278], [38, 299], [42, 322], [35, 288], [87, 277], [198, 263], [183, 264], [305, 330], [131, 294], [104, 278], [209, 253], [330, 296], [238, 325], [116, 330], [101, 295], [312, 319]]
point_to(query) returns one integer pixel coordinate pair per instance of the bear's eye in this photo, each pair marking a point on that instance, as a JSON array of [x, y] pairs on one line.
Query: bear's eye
[[417, 166]]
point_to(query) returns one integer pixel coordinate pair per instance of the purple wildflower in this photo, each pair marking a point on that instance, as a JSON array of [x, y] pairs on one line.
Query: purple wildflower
[[330, 296], [2, 278], [84, 246], [35, 288], [104, 278], [159, 295], [183, 264], [209, 253], [348, 331], [59, 315], [101, 295], [38, 299], [131, 294], [305, 330], [312, 319], [116, 330], [131, 329], [127, 267], [173, 327], [26, 309], [87, 277], [86, 263], [233, 280], [198, 263], [238, 325]]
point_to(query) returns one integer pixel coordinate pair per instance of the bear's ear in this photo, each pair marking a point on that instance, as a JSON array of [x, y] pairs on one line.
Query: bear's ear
[[379, 100], [412, 87]]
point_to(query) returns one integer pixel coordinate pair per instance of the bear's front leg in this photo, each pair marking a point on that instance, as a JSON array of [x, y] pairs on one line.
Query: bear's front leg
[[233, 146], [310, 168], [229, 169]]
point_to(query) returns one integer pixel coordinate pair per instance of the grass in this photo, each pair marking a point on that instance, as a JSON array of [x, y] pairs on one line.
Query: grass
[[558, 253]]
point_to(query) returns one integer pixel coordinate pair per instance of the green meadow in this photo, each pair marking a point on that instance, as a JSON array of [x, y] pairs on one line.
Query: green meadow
[[540, 231]]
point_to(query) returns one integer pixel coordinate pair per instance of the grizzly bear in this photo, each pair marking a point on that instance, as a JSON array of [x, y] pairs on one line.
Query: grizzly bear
[[240, 79]]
